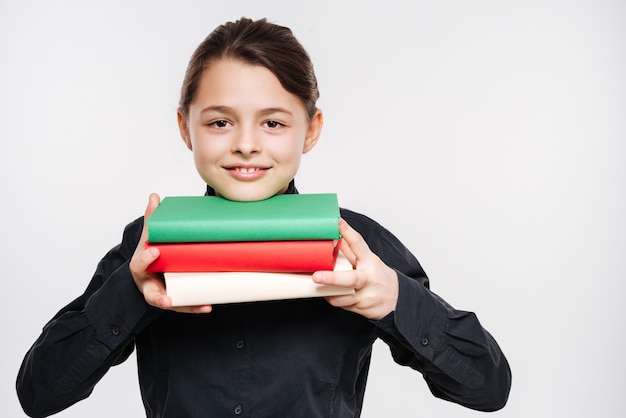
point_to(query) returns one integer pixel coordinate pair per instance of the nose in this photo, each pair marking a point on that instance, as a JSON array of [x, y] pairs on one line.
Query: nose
[[246, 142]]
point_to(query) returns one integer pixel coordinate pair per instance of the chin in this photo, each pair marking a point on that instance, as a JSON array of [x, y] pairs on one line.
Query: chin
[[243, 195]]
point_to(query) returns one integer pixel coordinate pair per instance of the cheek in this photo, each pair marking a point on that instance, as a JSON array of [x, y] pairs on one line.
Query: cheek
[[288, 151], [205, 150], [289, 157]]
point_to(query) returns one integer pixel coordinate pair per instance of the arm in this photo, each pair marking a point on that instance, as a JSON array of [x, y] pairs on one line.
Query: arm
[[459, 359], [87, 337]]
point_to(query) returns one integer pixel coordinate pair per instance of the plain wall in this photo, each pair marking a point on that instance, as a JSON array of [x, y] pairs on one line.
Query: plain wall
[[489, 136]]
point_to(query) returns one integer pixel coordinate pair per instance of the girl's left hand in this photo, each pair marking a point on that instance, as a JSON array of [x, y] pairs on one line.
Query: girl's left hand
[[375, 283]]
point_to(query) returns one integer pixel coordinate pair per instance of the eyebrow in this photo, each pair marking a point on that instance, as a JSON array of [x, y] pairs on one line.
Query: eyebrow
[[219, 109], [262, 112], [272, 110]]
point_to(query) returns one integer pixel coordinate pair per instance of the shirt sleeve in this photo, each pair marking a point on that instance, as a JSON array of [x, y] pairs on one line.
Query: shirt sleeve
[[88, 336], [460, 361]]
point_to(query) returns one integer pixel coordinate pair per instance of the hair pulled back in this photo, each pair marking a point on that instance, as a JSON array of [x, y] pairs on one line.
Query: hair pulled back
[[256, 42]]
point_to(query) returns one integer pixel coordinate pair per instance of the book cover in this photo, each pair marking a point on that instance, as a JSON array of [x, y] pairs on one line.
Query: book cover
[[261, 256], [190, 289], [213, 218]]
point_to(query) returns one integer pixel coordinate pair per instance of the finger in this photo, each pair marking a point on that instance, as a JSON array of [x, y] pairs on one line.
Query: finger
[[354, 279], [147, 257], [200, 309], [154, 292], [344, 248], [342, 301], [352, 242]]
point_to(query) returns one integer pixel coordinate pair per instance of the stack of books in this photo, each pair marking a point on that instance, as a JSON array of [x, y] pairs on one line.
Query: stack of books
[[214, 250]]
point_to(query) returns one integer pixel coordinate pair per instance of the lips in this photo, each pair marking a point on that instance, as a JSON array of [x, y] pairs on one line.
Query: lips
[[246, 172]]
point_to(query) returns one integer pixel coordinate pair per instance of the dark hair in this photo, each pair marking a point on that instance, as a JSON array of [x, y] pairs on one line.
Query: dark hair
[[258, 43]]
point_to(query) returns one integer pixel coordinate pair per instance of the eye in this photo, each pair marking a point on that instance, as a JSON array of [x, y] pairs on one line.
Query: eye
[[272, 124], [220, 123]]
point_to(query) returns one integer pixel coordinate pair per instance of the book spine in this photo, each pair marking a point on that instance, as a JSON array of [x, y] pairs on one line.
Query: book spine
[[270, 256]]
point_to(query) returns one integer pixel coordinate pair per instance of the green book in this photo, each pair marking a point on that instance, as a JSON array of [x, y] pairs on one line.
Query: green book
[[213, 218]]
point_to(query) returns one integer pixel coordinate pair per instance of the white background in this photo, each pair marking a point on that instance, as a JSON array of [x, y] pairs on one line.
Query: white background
[[489, 136]]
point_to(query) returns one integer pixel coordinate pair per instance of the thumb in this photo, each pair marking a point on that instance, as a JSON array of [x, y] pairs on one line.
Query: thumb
[[352, 243], [153, 202]]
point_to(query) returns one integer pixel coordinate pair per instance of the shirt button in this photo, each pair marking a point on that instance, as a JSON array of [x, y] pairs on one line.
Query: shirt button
[[240, 344], [238, 410], [424, 341], [115, 331]]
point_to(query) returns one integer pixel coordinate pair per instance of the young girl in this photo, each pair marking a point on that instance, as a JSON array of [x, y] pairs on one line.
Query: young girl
[[248, 112]]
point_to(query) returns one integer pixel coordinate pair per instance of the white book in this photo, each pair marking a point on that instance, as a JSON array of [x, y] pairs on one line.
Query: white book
[[211, 288]]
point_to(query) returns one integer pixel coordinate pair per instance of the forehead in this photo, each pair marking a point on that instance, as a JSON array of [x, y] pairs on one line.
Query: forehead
[[234, 83]]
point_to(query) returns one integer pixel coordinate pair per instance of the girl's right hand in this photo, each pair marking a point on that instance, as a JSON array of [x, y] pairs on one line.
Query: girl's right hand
[[152, 285]]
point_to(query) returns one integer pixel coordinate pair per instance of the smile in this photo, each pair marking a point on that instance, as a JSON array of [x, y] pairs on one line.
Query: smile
[[247, 169], [247, 173]]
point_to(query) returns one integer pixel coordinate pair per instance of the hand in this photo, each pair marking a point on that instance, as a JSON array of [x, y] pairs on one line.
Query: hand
[[375, 283], [151, 285]]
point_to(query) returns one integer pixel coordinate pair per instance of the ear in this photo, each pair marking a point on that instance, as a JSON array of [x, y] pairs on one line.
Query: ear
[[313, 132], [183, 128]]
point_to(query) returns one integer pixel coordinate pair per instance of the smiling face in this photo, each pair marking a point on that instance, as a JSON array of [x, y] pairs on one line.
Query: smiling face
[[247, 132]]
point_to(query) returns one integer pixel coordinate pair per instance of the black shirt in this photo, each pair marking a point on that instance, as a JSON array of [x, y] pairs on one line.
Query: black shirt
[[300, 358]]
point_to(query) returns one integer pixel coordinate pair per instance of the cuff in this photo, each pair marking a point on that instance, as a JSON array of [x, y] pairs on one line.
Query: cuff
[[420, 318]]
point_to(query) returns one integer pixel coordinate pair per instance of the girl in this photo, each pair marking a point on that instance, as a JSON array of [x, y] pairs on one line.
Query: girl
[[248, 112]]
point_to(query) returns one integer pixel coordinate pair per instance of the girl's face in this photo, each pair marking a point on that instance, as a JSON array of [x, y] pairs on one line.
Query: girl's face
[[247, 132]]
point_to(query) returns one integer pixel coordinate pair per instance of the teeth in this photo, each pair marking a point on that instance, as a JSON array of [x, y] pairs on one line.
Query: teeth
[[247, 170]]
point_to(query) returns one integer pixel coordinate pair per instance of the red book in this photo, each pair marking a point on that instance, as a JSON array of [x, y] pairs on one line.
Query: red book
[[260, 256]]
